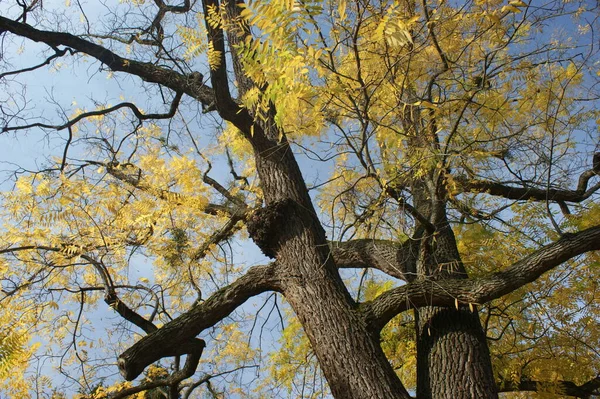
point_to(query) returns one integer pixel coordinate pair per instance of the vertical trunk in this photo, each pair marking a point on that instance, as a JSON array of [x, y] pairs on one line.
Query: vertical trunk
[[348, 352], [453, 359]]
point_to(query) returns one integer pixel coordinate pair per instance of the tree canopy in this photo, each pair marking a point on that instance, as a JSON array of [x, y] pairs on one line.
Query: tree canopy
[[306, 199]]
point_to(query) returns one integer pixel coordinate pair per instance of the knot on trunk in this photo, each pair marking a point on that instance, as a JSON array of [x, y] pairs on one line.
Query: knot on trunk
[[266, 225]]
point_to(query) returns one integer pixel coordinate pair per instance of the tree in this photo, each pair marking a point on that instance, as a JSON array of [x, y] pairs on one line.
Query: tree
[[453, 134]]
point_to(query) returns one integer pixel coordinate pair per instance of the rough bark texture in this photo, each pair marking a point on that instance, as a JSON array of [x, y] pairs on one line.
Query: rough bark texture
[[349, 354], [450, 342]]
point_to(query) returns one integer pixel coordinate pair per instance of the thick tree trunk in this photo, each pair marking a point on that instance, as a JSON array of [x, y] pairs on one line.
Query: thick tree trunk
[[287, 228], [349, 355], [453, 359]]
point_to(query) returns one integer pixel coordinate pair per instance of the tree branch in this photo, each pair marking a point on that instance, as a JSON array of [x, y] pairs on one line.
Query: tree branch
[[188, 370], [139, 114], [227, 108], [567, 388], [390, 257], [191, 84], [176, 337], [531, 193], [451, 292], [57, 53]]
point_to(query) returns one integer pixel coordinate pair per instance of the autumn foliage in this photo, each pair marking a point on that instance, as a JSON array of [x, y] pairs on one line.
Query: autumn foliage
[[305, 199]]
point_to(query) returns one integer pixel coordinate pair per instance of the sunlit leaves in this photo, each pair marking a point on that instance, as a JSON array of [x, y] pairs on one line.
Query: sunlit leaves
[[195, 39], [16, 346], [214, 56]]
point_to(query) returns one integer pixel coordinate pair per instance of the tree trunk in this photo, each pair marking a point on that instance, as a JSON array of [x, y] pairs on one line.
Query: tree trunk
[[287, 228], [453, 359]]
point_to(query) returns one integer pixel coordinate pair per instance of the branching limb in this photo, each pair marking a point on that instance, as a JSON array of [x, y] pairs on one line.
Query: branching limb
[[178, 336], [110, 295], [188, 370], [476, 291], [191, 84], [206, 379], [581, 193], [139, 114], [57, 53], [227, 108]]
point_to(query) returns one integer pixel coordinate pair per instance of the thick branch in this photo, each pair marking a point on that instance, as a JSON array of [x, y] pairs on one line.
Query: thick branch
[[476, 291], [191, 85], [175, 337], [227, 108], [531, 193], [568, 388], [390, 257]]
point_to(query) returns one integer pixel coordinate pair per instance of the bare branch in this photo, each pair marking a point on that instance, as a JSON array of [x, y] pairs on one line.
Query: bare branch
[[58, 53], [106, 111], [191, 84], [581, 193]]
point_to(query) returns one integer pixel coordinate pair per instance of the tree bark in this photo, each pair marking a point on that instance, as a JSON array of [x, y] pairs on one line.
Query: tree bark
[[453, 359], [348, 350]]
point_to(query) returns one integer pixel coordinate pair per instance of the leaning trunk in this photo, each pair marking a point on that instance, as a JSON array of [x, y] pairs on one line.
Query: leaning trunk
[[288, 229]]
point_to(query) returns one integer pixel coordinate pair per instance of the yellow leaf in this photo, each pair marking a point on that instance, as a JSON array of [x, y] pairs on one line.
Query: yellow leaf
[[518, 3], [511, 8]]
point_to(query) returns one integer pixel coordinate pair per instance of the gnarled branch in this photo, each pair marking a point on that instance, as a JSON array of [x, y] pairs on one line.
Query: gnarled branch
[[582, 192]]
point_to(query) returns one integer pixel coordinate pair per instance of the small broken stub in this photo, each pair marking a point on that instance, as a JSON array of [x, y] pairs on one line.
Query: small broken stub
[[127, 370], [267, 224]]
